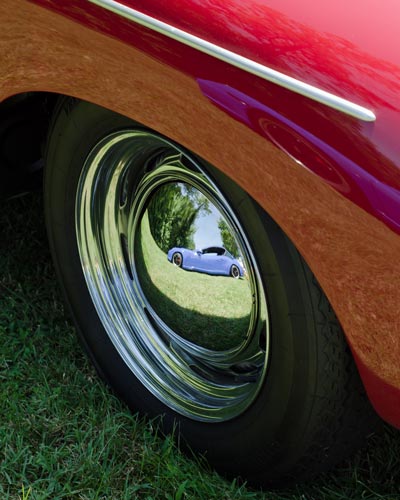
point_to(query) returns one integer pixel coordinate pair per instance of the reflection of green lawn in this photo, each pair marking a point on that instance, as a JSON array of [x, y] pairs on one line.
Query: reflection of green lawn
[[212, 311]]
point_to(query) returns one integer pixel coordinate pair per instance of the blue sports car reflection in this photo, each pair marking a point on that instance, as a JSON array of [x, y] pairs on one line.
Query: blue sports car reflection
[[210, 260]]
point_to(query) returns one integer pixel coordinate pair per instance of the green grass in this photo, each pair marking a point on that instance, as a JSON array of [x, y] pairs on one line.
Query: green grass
[[63, 435]]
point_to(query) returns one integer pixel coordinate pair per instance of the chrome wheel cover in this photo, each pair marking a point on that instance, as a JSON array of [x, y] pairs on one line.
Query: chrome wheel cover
[[195, 338]]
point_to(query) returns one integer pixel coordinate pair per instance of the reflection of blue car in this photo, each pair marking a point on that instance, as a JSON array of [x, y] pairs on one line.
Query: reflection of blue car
[[211, 260]]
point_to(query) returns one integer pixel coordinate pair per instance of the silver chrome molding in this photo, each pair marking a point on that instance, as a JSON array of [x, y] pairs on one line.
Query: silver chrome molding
[[239, 61]]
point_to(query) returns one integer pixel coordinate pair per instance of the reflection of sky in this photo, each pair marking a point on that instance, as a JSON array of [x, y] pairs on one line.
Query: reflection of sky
[[207, 232]]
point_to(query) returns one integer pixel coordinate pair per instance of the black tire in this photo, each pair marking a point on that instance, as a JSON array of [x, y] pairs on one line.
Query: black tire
[[310, 410], [234, 272], [177, 259]]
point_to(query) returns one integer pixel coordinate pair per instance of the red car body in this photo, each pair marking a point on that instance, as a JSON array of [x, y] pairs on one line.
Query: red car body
[[330, 179]]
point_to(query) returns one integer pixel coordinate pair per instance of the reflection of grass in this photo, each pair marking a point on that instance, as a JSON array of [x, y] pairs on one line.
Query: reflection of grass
[[212, 311]]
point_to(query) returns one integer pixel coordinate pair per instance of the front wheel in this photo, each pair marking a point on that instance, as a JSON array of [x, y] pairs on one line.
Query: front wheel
[[177, 259], [258, 375], [235, 272]]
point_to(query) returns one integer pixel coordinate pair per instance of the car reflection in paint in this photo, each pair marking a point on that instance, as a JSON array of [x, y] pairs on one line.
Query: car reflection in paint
[[211, 260]]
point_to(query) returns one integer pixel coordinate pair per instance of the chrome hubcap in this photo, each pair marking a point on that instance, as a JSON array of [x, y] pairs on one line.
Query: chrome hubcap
[[196, 338]]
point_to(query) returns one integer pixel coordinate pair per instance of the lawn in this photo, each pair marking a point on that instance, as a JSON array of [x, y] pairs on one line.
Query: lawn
[[64, 435]]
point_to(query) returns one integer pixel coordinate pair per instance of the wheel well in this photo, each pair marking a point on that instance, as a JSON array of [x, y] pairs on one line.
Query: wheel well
[[25, 120], [24, 123]]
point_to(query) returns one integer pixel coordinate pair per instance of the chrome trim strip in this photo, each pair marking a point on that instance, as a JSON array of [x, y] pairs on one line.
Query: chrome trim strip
[[239, 61]]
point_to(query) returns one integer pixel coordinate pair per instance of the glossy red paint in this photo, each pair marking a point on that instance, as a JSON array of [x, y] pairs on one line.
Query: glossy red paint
[[332, 49], [276, 39], [344, 184]]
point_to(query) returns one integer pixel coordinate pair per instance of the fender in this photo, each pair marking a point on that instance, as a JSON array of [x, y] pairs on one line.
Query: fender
[[330, 179]]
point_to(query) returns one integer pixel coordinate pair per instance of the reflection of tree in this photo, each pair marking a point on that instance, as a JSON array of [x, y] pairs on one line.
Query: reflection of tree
[[172, 215], [227, 238]]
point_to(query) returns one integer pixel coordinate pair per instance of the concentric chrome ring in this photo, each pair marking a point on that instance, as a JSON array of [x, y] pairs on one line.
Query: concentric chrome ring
[[195, 338]]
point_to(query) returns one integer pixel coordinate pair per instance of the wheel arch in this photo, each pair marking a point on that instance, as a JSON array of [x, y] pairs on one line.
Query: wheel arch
[[371, 385]]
